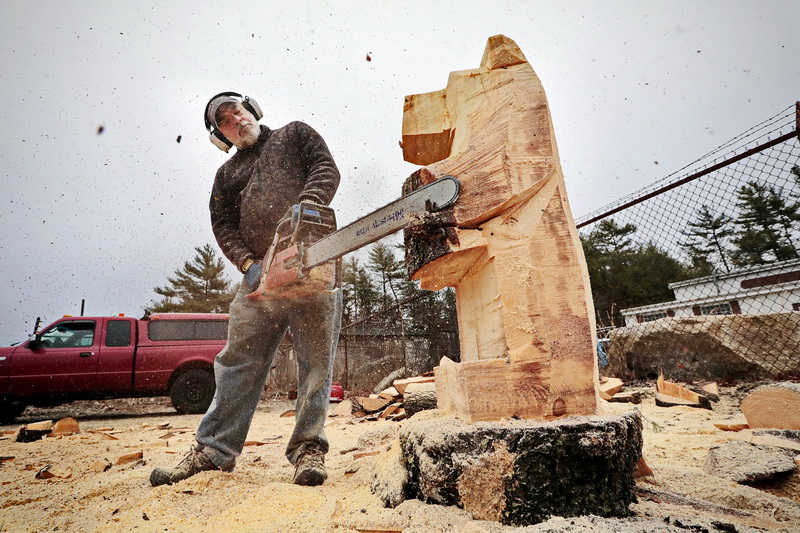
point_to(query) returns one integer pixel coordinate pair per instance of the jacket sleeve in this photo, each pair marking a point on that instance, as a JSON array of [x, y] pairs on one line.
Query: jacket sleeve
[[322, 176], [225, 223]]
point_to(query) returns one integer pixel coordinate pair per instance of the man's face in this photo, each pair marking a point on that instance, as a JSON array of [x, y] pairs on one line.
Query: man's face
[[238, 125]]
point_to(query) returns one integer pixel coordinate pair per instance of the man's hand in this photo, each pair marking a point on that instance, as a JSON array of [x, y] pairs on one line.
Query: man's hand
[[252, 278]]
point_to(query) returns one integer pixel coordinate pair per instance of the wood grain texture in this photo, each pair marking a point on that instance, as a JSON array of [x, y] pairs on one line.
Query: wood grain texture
[[773, 406], [509, 245]]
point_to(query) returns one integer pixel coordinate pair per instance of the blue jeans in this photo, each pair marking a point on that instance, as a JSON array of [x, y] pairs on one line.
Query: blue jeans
[[241, 368]]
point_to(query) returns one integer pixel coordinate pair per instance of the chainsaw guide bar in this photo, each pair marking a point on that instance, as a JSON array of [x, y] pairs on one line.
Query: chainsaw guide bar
[[388, 219]]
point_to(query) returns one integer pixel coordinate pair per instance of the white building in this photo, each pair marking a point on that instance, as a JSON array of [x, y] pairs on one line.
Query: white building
[[758, 290]]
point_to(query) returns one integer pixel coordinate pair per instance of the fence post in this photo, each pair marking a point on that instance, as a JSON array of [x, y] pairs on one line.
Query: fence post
[[797, 119]]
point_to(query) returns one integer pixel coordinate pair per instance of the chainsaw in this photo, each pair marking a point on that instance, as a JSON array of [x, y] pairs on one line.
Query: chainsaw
[[303, 257]]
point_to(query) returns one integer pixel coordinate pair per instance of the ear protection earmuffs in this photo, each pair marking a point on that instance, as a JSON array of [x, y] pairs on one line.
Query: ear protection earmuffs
[[216, 136]]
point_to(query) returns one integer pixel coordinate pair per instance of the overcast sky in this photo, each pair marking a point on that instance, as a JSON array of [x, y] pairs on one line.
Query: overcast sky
[[636, 91]]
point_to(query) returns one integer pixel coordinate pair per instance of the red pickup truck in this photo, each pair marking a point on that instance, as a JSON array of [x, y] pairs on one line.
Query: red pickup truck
[[114, 357]]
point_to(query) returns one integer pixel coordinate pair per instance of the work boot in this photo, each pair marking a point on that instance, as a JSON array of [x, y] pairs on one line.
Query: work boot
[[195, 461], [310, 467]]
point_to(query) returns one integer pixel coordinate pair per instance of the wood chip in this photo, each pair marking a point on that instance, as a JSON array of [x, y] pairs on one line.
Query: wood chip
[[344, 408], [401, 384], [727, 426], [665, 400], [129, 458], [627, 397], [370, 405], [611, 386], [288, 413], [359, 455], [44, 425], [772, 440], [66, 426], [673, 390], [100, 466], [390, 410], [49, 472], [390, 394], [103, 435], [642, 469]]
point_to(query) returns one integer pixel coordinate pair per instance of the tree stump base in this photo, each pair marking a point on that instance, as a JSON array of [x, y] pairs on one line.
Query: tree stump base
[[519, 472]]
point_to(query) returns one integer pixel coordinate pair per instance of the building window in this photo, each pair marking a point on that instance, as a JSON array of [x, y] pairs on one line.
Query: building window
[[716, 309], [649, 317]]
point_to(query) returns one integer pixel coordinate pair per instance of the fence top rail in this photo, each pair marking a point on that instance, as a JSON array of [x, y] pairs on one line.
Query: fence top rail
[[776, 130]]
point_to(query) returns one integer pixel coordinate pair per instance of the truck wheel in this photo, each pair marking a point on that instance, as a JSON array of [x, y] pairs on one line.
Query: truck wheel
[[10, 410], [192, 391]]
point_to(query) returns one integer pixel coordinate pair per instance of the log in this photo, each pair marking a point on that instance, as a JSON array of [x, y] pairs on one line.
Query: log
[[773, 406], [508, 245], [419, 397]]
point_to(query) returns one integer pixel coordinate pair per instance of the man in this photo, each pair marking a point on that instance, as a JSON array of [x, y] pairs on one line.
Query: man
[[271, 171]]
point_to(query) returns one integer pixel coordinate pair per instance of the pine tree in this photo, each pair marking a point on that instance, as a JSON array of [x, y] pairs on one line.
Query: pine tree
[[390, 273], [625, 274], [708, 239], [608, 236], [199, 287], [421, 313], [361, 297], [765, 226]]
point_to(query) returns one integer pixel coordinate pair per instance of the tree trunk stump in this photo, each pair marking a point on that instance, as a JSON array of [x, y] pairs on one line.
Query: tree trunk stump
[[519, 472]]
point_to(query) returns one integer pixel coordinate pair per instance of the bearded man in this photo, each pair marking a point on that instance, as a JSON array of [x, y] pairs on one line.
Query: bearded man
[[271, 172]]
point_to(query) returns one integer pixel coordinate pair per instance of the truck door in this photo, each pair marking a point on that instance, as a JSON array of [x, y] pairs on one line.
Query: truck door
[[115, 369], [65, 361]]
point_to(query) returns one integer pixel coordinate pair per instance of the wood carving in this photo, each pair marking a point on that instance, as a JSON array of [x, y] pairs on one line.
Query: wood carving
[[509, 245]]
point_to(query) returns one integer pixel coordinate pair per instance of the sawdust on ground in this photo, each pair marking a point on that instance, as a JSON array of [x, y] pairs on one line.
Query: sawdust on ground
[[86, 494]]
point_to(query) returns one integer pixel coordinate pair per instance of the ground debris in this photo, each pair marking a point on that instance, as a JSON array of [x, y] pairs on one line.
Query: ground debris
[[129, 458], [748, 463], [49, 472]]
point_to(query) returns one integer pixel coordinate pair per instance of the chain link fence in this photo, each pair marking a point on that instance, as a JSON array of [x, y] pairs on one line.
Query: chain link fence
[[698, 275]]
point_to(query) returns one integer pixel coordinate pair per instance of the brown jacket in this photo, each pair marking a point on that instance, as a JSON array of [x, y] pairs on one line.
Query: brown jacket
[[256, 187]]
